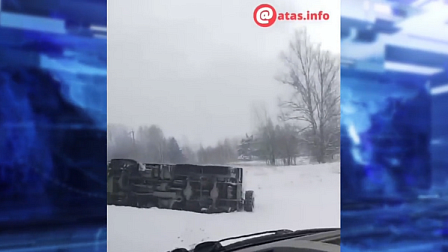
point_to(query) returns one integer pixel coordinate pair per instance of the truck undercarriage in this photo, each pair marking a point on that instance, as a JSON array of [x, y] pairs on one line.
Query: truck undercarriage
[[187, 187]]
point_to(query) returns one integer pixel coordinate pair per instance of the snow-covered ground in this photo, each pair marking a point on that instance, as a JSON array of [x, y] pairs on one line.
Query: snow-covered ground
[[294, 197]]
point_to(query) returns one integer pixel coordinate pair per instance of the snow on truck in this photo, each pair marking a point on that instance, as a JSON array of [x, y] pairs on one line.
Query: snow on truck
[[198, 188]]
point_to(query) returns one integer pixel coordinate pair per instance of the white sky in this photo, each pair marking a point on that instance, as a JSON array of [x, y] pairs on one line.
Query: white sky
[[195, 67]]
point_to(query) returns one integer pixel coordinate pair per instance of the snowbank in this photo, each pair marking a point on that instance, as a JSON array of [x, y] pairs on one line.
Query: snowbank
[[287, 197]]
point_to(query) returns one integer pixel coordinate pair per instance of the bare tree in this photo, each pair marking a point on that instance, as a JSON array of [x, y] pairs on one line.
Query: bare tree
[[119, 142], [189, 154], [259, 115], [152, 144], [313, 73], [287, 143], [265, 133]]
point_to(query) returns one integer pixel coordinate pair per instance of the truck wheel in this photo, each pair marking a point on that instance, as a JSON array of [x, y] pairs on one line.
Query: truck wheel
[[249, 201]]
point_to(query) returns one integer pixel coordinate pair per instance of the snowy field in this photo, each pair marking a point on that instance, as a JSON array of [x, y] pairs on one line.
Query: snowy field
[[294, 197]]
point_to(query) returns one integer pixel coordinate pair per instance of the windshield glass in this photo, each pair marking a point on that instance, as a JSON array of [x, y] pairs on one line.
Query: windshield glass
[[234, 139]]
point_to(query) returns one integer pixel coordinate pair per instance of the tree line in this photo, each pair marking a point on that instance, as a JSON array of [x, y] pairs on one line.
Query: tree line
[[308, 124], [309, 121], [150, 145]]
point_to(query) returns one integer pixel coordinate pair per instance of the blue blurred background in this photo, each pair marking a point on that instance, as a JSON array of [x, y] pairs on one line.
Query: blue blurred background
[[394, 137], [53, 62]]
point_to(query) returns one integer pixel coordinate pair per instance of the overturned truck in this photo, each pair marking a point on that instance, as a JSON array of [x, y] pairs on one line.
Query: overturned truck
[[198, 188]]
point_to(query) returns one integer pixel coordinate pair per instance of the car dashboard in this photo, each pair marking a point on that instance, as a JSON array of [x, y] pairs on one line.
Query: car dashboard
[[312, 240], [321, 242]]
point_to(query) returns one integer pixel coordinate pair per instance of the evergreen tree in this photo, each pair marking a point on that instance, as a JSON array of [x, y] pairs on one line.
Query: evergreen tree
[[174, 152]]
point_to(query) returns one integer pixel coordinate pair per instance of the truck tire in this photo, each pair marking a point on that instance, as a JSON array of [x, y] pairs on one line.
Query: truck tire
[[249, 201]]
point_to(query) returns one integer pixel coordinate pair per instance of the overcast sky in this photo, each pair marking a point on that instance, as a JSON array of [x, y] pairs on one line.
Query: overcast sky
[[195, 67]]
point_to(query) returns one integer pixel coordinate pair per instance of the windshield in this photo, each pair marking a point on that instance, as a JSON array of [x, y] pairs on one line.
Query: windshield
[[234, 139]]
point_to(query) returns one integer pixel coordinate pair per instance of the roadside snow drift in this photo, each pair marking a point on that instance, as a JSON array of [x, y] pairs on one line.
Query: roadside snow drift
[[294, 197]]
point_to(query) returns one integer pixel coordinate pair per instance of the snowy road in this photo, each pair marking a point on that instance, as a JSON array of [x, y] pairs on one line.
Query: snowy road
[[295, 197]]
